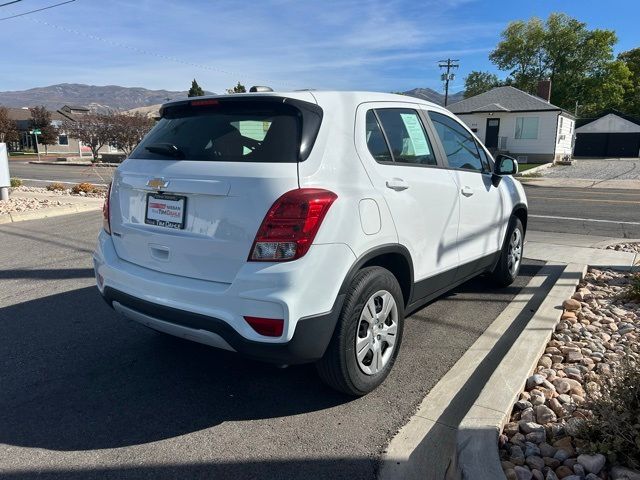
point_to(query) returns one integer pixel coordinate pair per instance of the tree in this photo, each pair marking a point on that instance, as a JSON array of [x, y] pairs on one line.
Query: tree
[[479, 82], [8, 128], [631, 59], [576, 59], [127, 130], [41, 120], [239, 88], [195, 90], [94, 130]]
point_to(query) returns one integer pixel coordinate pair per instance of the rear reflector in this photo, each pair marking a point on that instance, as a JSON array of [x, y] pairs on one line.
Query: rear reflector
[[291, 224], [269, 327]]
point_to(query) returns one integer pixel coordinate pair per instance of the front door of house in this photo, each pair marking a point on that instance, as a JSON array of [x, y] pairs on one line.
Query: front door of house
[[491, 136]]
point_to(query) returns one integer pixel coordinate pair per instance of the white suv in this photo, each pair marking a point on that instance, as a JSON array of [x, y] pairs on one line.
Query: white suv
[[303, 227]]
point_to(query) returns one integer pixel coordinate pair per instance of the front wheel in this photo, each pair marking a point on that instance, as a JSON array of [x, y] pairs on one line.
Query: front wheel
[[508, 265], [367, 338]]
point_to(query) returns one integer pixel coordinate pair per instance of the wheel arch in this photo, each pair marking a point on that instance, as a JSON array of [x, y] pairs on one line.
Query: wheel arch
[[395, 258], [521, 212]]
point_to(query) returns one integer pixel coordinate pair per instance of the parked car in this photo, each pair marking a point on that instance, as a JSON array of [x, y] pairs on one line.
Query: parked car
[[304, 227]]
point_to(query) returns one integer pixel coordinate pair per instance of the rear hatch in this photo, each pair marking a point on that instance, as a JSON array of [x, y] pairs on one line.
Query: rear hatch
[[191, 197]]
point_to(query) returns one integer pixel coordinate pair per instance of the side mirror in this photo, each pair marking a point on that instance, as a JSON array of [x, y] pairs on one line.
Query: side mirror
[[505, 165]]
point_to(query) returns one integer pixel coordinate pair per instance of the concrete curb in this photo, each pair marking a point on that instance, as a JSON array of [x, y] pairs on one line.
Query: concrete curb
[[426, 447], [76, 164], [477, 440], [533, 170], [46, 213]]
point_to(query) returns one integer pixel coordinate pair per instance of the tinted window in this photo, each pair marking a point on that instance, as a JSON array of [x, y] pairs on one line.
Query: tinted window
[[225, 132], [376, 142], [459, 145], [486, 162], [406, 136]]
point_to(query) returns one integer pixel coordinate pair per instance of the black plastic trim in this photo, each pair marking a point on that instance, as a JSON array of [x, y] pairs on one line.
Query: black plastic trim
[[308, 344]]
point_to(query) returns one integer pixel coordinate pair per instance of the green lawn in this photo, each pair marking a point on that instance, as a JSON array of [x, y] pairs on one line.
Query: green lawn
[[522, 167]]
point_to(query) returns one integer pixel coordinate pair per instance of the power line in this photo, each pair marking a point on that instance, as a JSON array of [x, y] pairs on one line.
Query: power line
[[34, 11], [9, 3]]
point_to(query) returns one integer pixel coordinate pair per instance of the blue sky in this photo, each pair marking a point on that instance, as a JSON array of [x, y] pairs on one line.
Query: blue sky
[[365, 45]]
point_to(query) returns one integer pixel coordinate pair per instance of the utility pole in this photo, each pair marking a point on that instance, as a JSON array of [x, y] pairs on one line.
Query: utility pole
[[449, 64]]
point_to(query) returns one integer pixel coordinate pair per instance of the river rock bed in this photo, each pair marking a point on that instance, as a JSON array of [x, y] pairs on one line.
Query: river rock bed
[[22, 204], [598, 327], [624, 247], [60, 193]]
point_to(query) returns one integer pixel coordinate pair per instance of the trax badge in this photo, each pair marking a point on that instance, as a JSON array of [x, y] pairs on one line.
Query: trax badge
[[157, 183]]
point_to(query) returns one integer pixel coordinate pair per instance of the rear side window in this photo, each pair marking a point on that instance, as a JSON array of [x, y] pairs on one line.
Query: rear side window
[[406, 136], [376, 142], [459, 145], [229, 131]]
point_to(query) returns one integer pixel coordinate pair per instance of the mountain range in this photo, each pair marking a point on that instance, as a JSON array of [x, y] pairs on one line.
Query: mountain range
[[127, 98]]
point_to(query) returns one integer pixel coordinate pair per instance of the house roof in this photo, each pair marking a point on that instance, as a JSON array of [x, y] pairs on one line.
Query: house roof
[[502, 99], [611, 122], [610, 111], [24, 114], [78, 108]]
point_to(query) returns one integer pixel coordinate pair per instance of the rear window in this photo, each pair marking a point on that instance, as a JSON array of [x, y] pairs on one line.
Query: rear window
[[231, 131]]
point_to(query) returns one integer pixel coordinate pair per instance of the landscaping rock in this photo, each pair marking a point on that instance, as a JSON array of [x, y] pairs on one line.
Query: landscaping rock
[[523, 473], [592, 463], [571, 304], [544, 414], [622, 473]]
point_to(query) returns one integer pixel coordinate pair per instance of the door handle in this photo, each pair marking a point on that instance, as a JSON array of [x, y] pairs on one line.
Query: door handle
[[467, 191], [397, 184]]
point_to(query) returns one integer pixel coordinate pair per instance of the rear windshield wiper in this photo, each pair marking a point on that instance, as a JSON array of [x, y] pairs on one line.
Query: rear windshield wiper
[[166, 149]]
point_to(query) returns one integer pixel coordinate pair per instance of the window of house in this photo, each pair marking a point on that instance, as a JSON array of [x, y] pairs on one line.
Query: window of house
[[527, 128], [561, 118], [458, 143], [376, 142], [63, 139], [406, 136]]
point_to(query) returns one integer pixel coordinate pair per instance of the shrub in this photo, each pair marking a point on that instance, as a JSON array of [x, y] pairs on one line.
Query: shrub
[[16, 182], [614, 429], [633, 290], [84, 187], [53, 187]]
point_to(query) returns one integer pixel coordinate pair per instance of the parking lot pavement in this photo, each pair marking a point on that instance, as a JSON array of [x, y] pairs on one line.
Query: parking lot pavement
[[606, 169], [85, 394]]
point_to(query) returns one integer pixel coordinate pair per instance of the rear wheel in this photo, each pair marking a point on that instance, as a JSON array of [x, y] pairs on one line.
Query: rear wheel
[[508, 266], [367, 338]]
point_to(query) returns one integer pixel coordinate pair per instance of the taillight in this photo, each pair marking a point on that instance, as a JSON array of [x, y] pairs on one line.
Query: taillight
[[291, 224], [106, 220]]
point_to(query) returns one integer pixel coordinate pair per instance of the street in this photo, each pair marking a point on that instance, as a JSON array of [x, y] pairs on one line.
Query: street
[[593, 211], [86, 394]]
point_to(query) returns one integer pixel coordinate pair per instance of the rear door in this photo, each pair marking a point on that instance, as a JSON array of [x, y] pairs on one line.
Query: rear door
[[192, 195], [421, 195]]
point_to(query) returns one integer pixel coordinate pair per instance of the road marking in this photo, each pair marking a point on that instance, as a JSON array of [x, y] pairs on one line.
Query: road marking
[[585, 199], [60, 181], [584, 219]]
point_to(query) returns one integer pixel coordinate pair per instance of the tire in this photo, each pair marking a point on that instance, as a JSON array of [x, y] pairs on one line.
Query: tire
[[372, 287], [505, 272]]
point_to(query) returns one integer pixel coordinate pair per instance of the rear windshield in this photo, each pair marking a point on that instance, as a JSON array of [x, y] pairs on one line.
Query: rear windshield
[[227, 131]]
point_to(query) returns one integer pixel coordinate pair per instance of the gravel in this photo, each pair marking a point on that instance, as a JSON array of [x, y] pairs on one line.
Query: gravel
[[17, 205], [42, 190], [624, 247], [614, 169], [598, 327]]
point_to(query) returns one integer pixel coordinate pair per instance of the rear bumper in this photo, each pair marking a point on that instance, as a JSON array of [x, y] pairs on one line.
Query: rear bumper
[[309, 342], [213, 313]]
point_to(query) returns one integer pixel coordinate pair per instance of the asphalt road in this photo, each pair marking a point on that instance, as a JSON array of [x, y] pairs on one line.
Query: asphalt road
[[85, 394], [585, 211]]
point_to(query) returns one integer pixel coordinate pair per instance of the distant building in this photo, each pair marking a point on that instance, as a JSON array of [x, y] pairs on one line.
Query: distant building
[[516, 123], [611, 134]]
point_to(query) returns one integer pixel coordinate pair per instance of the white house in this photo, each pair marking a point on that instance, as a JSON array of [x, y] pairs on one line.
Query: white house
[[516, 123]]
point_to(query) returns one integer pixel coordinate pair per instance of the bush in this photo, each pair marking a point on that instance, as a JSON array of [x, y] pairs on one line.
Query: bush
[[16, 182], [84, 187], [56, 187], [614, 429], [633, 290]]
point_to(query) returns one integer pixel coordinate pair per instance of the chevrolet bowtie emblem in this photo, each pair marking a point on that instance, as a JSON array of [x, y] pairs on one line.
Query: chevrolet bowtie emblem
[[157, 183]]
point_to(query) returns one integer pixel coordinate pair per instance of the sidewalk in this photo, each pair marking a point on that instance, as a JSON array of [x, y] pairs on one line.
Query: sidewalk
[[580, 183]]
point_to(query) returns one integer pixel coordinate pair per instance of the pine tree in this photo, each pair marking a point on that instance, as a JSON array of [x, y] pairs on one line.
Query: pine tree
[[239, 88], [195, 90]]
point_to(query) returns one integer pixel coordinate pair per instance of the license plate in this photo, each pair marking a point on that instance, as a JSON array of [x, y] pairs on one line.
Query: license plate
[[165, 210]]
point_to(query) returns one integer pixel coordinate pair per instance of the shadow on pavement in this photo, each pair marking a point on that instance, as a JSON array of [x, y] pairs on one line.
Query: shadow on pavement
[[78, 377]]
